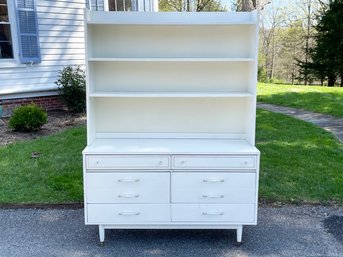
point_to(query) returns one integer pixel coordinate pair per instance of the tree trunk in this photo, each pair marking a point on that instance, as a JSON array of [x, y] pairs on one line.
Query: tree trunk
[[341, 84], [307, 40], [331, 80], [245, 5]]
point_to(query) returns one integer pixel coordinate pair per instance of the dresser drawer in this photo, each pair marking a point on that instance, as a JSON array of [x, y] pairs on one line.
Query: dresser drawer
[[213, 162], [213, 187], [231, 213], [127, 213], [128, 187], [127, 162]]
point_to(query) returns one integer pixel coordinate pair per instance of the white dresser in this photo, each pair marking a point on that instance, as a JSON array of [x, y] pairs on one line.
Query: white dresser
[[171, 102]]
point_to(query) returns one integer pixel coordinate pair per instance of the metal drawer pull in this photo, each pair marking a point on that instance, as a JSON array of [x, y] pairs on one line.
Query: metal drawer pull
[[129, 213], [128, 180], [212, 213], [128, 196], [213, 196], [214, 180]]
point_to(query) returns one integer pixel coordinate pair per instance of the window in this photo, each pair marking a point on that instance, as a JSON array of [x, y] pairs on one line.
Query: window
[[6, 48], [120, 5]]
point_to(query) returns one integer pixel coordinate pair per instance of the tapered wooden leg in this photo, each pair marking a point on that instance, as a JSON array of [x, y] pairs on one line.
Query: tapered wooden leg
[[239, 234], [102, 235]]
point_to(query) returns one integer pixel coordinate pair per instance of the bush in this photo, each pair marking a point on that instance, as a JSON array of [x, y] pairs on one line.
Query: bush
[[28, 118], [71, 84]]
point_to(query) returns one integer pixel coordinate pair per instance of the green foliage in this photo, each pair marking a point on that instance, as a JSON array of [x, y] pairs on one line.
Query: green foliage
[[319, 99], [28, 118], [190, 6], [327, 54], [71, 84], [261, 74]]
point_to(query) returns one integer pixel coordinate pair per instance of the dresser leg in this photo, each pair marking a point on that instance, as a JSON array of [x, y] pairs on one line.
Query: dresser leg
[[102, 235], [239, 234]]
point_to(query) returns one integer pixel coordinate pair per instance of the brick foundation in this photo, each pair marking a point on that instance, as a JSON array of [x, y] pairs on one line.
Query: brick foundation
[[48, 103]]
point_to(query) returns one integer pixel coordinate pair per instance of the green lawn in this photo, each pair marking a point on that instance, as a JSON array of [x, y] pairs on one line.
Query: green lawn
[[300, 163], [54, 177], [312, 98]]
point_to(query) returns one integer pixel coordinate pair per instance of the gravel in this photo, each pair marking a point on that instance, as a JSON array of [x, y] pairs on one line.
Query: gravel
[[300, 231]]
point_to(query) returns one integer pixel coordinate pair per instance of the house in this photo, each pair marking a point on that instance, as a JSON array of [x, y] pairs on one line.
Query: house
[[40, 37]]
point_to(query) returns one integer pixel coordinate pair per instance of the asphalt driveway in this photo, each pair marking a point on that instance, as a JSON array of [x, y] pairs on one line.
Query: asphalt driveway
[[285, 231]]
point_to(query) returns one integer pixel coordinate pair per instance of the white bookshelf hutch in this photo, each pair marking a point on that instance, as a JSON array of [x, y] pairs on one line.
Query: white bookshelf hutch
[[171, 103]]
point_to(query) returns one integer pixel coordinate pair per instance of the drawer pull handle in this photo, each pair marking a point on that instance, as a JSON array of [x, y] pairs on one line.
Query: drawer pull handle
[[213, 213], [213, 196], [128, 180], [213, 180], [129, 213], [128, 196]]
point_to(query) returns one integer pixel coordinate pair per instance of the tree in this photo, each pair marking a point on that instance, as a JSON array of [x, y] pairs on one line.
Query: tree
[[249, 5], [272, 18], [327, 54], [190, 5], [307, 14]]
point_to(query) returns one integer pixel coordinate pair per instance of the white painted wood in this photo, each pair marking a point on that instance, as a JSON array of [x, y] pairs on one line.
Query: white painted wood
[[170, 76], [128, 213], [170, 136], [128, 187], [172, 18], [166, 115], [235, 213], [170, 146], [212, 187], [127, 162], [171, 100], [157, 41], [102, 233], [177, 225], [170, 94], [105, 59], [213, 162], [239, 233]]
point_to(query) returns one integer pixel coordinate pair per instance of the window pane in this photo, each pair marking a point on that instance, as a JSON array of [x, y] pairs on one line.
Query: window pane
[[119, 5], [3, 12], [5, 41]]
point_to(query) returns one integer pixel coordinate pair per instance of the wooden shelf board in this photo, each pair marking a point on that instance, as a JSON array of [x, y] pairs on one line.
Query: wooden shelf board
[[172, 18], [170, 146], [167, 59], [172, 94]]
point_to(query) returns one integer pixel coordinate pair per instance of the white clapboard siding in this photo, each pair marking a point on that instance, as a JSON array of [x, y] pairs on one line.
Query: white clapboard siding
[[61, 37], [70, 34], [58, 10], [59, 40]]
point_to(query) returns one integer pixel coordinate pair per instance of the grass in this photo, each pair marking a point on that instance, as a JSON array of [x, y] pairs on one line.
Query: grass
[[312, 98], [54, 177], [299, 163]]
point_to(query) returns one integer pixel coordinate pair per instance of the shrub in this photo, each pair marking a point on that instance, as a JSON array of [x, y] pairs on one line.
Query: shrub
[[28, 118], [71, 84]]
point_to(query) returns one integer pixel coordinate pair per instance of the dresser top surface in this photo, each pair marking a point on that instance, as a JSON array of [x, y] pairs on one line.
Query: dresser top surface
[[170, 146]]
